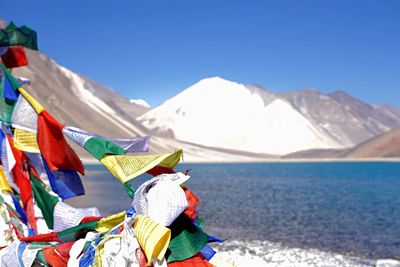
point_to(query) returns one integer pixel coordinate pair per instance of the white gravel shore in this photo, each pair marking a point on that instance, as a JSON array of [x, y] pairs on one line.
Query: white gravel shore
[[269, 254]]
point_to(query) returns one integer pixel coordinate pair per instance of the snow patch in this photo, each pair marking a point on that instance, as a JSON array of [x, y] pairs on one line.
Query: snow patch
[[140, 102]]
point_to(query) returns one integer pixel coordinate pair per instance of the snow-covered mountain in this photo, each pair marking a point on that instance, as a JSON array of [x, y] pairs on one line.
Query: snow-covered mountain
[[140, 102], [220, 113]]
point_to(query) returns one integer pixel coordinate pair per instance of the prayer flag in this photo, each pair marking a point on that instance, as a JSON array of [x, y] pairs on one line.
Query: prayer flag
[[13, 82], [66, 184], [4, 185], [45, 201], [196, 261], [24, 116], [8, 161], [21, 178], [34, 103], [6, 106], [67, 235], [13, 35], [100, 146], [26, 141], [55, 149], [54, 258], [106, 224], [66, 216], [1, 140], [9, 92], [153, 238], [14, 57], [127, 167]]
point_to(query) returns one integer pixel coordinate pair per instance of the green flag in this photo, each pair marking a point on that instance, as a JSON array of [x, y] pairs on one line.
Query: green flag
[[99, 147], [77, 232], [13, 35], [45, 201], [6, 105], [10, 77], [129, 189]]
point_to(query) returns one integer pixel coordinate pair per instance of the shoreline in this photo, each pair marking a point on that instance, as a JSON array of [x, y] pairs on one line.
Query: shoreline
[[300, 160], [274, 160], [264, 253]]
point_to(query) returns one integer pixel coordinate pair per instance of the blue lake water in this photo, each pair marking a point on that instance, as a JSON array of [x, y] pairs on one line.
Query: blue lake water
[[351, 208]]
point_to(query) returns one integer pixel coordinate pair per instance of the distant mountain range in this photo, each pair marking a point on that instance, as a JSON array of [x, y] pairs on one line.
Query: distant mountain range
[[220, 120], [221, 113]]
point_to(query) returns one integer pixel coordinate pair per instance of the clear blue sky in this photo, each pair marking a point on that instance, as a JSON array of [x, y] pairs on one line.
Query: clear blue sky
[[155, 49]]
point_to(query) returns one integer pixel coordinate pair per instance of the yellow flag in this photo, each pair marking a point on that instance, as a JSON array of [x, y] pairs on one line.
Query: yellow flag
[[106, 224], [153, 237], [99, 254], [127, 167], [4, 185], [26, 141], [34, 103]]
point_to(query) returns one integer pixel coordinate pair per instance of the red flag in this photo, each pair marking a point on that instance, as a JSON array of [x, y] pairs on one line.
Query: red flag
[[21, 178], [193, 201], [157, 170], [54, 258], [141, 258], [63, 250], [50, 237], [90, 218], [14, 57], [196, 261], [53, 146]]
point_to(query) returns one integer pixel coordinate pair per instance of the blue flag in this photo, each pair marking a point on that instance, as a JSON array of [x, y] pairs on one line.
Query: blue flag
[[207, 252], [1, 141], [19, 209], [66, 184], [9, 92]]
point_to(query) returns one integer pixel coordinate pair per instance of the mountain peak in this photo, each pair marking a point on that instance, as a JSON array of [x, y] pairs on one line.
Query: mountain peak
[[215, 86], [340, 94], [213, 78], [215, 81], [309, 90]]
